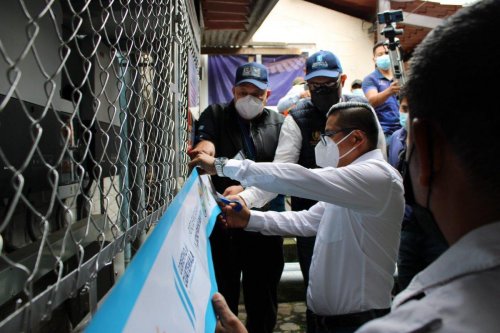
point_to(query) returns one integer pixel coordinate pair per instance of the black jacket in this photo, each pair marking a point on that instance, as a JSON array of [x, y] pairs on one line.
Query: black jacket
[[311, 123], [220, 124]]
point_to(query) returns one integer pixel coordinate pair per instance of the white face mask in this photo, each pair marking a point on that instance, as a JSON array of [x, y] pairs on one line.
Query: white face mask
[[358, 92], [328, 155], [249, 107]]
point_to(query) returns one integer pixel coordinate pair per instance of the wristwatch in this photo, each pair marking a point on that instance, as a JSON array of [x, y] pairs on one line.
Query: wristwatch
[[219, 165]]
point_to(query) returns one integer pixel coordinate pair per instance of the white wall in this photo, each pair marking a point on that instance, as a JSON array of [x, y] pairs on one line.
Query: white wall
[[298, 21]]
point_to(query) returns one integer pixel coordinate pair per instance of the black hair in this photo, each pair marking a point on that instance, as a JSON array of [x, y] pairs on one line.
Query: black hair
[[445, 67], [357, 115], [379, 44], [356, 85]]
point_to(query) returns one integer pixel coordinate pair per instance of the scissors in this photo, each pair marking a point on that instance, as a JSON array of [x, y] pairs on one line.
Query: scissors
[[219, 198]]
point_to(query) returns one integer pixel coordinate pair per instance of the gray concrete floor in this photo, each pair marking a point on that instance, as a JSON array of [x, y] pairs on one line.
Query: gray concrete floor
[[291, 317]]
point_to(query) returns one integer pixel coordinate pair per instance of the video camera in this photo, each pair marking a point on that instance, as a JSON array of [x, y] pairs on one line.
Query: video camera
[[390, 18]]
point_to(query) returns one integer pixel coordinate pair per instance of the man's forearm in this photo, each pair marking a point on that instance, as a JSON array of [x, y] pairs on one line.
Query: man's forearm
[[304, 223], [379, 98]]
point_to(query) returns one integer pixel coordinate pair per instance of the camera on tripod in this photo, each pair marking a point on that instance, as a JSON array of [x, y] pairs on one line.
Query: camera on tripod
[[390, 18]]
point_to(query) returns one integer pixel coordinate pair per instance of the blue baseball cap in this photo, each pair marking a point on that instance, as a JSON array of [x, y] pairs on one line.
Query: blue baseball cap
[[253, 73], [323, 63]]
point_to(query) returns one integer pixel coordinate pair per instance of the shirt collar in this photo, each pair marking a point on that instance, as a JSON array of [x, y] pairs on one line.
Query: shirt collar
[[372, 154], [379, 75], [478, 250]]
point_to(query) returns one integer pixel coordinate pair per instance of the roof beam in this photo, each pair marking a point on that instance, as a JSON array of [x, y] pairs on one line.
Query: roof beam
[[251, 50], [360, 9], [225, 8], [231, 2], [220, 25], [223, 17], [421, 20]]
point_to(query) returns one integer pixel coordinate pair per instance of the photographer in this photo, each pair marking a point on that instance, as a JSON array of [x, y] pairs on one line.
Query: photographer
[[381, 90]]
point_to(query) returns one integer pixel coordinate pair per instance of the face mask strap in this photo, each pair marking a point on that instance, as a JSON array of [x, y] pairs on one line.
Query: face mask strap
[[423, 215], [342, 140], [431, 177], [347, 153], [431, 161]]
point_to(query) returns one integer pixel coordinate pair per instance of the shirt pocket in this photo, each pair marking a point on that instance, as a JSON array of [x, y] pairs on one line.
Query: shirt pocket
[[332, 226]]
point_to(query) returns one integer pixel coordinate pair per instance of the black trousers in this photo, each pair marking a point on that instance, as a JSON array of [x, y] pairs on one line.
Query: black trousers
[[348, 323], [259, 260]]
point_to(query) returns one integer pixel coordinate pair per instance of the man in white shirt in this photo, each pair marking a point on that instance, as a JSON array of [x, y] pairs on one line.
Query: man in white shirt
[[357, 221], [453, 163], [299, 135]]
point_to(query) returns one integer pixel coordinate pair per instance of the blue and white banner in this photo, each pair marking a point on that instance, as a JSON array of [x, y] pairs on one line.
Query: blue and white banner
[[168, 286]]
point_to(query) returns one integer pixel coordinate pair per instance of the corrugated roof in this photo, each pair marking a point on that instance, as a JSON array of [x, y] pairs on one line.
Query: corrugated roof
[[363, 9], [232, 23]]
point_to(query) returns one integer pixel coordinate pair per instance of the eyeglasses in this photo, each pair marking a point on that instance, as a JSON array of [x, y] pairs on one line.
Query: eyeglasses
[[328, 134], [314, 86]]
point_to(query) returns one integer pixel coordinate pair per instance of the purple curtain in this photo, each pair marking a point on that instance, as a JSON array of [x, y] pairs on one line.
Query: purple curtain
[[282, 71], [221, 72]]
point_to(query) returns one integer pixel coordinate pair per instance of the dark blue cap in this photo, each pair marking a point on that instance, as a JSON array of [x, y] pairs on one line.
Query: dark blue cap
[[323, 63], [253, 73]]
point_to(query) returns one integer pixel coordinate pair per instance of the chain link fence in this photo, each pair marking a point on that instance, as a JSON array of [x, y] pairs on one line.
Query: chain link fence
[[94, 128]]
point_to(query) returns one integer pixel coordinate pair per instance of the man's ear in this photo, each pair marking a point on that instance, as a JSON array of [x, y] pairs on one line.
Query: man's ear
[[268, 93], [429, 146], [234, 91], [358, 136], [343, 77]]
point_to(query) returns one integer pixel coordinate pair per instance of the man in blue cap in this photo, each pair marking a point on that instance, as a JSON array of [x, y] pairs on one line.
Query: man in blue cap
[[224, 130], [299, 135]]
